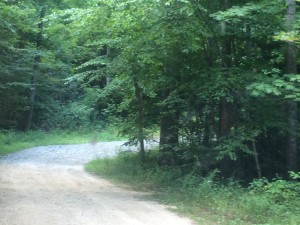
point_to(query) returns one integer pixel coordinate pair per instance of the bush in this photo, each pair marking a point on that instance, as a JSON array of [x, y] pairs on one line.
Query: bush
[[278, 190], [278, 199]]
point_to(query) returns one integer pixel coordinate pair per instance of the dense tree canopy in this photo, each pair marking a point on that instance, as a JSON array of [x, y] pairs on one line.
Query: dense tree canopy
[[218, 79]]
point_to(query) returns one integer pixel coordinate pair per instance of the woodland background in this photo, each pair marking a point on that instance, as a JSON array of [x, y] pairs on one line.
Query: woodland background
[[215, 80]]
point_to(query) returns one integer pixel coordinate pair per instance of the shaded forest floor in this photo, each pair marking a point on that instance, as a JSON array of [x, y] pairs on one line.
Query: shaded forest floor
[[209, 199]]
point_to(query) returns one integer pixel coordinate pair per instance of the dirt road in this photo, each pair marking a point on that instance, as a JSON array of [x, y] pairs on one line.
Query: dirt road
[[46, 194]]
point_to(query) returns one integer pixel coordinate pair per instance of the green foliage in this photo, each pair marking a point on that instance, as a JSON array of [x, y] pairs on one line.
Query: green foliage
[[206, 199], [143, 62], [292, 36], [278, 199], [286, 86], [73, 116], [250, 11], [278, 190], [236, 141]]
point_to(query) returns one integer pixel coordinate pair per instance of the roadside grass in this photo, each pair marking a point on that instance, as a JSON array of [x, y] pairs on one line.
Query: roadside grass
[[12, 141], [207, 200]]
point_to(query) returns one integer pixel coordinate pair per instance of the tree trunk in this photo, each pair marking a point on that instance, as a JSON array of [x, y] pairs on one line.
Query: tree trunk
[[140, 118], [225, 105], [169, 128], [108, 78], [227, 165], [36, 67], [225, 121], [292, 152], [32, 94], [291, 64]]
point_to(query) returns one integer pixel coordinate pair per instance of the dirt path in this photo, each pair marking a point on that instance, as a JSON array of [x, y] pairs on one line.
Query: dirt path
[[31, 194]]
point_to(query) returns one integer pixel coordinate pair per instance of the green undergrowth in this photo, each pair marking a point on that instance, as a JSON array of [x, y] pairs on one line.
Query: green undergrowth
[[11, 141], [208, 200]]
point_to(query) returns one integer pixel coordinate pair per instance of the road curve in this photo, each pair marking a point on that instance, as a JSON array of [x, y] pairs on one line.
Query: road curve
[[38, 188]]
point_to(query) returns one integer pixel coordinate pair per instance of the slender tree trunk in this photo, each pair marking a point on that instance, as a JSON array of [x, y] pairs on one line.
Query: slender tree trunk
[[140, 117], [254, 149], [292, 151], [225, 105], [169, 128], [291, 63], [32, 95], [248, 45], [225, 121], [255, 154], [36, 67], [227, 166], [108, 78], [169, 120]]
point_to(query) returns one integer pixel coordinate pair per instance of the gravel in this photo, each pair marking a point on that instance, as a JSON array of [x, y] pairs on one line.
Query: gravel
[[48, 186], [67, 155]]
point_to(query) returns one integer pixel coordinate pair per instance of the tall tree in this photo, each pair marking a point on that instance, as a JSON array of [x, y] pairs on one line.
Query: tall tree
[[36, 67], [291, 68], [207, 74]]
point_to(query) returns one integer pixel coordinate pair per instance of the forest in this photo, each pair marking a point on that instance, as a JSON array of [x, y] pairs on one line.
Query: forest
[[214, 82]]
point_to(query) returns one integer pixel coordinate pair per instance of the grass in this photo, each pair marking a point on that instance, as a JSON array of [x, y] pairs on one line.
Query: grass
[[207, 200], [11, 141]]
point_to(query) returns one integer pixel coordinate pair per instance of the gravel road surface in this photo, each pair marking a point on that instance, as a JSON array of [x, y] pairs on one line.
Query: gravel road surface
[[48, 186]]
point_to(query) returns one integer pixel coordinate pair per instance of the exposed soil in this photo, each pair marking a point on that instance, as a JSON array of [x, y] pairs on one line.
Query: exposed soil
[[38, 192]]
